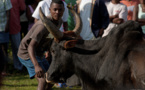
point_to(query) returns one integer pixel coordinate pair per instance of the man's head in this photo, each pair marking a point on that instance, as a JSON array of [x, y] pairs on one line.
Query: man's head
[[142, 1], [56, 9], [116, 1]]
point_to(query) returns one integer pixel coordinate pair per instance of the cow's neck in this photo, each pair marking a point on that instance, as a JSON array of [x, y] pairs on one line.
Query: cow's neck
[[103, 58], [86, 61]]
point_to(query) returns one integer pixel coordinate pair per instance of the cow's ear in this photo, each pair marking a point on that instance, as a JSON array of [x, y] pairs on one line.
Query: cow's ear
[[56, 40], [70, 44]]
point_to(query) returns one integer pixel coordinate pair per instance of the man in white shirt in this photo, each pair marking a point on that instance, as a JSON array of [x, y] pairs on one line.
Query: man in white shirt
[[45, 5], [117, 14], [85, 11], [94, 17]]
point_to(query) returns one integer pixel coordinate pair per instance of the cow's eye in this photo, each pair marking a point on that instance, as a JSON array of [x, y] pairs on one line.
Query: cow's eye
[[52, 51]]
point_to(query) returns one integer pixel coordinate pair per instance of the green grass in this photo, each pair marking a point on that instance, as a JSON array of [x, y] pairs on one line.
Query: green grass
[[21, 81]]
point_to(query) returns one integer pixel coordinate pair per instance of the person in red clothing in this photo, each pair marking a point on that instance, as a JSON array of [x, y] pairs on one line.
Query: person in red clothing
[[18, 8], [130, 5]]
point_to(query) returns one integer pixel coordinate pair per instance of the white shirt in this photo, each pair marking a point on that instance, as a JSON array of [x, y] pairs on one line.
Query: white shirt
[[45, 5], [85, 10], [114, 9]]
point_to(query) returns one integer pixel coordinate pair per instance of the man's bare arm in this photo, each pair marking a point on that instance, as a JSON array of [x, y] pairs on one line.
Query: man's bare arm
[[31, 50]]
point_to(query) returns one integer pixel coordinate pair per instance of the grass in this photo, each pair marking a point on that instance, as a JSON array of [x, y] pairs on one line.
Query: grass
[[20, 81]]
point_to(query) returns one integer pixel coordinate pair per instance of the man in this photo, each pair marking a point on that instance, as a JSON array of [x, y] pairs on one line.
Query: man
[[139, 15], [130, 6], [117, 14], [14, 30], [70, 21], [33, 45], [5, 6], [45, 4], [94, 17]]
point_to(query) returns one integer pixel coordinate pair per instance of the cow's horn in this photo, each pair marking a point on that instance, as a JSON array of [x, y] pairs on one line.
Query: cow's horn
[[78, 26], [50, 26]]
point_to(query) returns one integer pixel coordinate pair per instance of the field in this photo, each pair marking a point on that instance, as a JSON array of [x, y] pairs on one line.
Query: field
[[20, 80]]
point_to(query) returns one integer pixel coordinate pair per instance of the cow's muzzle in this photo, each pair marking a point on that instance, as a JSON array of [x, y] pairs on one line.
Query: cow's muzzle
[[46, 78]]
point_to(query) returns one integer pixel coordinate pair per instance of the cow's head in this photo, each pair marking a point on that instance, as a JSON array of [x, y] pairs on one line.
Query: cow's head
[[60, 68]]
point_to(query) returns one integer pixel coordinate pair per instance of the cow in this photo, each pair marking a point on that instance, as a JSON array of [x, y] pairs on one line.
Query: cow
[[114, 62]]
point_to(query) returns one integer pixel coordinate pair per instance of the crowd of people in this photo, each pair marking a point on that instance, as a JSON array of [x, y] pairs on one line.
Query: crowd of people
[[21, 27]]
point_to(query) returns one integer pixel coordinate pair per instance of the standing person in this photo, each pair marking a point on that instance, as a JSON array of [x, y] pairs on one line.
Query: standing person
[[130, 5], [45, 5], [35, 43], [94, 17], [23, 23], [5, 6], [117, 14], [139, 14], [15, 27], [70, 21], [29, 11], [107, 0]]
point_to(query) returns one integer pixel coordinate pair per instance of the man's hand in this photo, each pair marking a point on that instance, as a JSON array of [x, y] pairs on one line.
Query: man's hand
[[39, 71], [118, 20], [116, 16], [101, 32]]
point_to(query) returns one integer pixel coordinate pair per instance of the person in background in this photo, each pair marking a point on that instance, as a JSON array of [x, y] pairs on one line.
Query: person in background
[[130, 5], [5, 6], [117, 14], [14, 30], [106, 1], [29, 11], [45, 5], [70, 21], [24, 24], [95, 18], [139, 15]]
